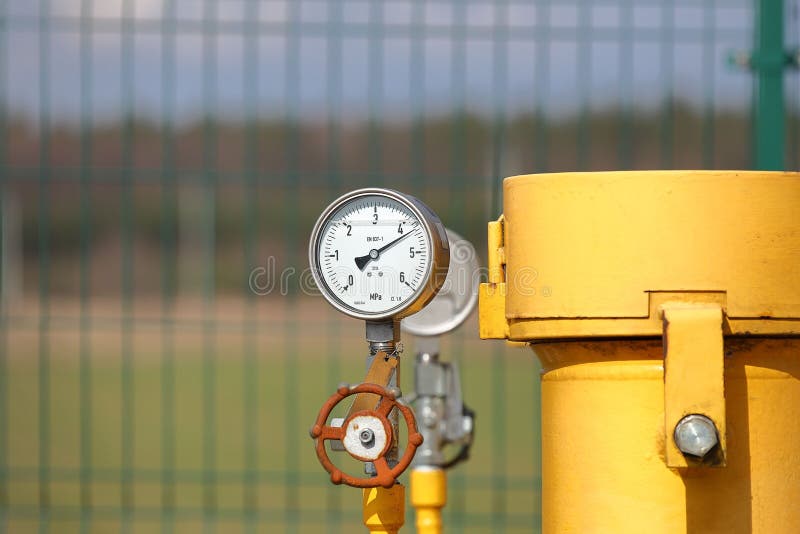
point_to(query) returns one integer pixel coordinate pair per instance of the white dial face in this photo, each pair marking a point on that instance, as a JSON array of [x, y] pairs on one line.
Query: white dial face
[[373, 255]]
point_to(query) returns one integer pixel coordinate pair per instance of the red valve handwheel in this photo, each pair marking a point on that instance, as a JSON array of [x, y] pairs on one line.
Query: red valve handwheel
[[385, 476]]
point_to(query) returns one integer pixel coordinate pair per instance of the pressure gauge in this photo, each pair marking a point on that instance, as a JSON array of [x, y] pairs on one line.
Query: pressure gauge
[[377, 254], [458, 296]]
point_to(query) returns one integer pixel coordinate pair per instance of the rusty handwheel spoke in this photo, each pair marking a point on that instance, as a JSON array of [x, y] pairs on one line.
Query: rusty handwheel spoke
[[385, 406], [331, 432], [384, 477]]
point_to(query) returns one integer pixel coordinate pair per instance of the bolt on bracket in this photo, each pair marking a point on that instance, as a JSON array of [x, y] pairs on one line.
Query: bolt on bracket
[[694, 383]]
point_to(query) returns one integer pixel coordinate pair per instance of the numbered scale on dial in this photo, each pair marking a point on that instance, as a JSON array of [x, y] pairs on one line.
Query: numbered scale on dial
[[377, 254]]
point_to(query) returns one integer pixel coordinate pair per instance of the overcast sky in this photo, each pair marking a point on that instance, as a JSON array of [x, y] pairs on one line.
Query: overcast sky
[[561, 57]]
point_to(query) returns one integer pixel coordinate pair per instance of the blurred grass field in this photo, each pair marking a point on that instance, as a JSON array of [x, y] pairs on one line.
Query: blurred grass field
[[196, 417]]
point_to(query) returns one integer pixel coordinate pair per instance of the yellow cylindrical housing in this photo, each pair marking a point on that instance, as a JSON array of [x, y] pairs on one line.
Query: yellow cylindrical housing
[[650, 297], [384, 509], [603, 439]]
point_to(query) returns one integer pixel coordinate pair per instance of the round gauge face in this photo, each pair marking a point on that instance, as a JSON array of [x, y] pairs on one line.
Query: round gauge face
[[372, 254]]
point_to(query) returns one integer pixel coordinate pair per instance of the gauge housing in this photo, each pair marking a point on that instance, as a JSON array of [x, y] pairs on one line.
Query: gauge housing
[[455, 302], [436, 268]]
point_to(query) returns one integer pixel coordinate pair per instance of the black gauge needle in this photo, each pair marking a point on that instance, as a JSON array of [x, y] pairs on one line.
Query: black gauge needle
[[375, 253]]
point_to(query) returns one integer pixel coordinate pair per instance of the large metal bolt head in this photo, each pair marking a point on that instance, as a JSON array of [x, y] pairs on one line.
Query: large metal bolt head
[[696, 435]]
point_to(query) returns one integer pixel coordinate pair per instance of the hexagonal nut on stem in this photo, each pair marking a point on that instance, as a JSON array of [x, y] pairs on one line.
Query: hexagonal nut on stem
[[696, 435], [366, 437]]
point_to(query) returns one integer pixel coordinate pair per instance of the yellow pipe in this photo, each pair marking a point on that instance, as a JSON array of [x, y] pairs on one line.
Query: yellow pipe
[[428, 496], [384, 509], [603, 442]]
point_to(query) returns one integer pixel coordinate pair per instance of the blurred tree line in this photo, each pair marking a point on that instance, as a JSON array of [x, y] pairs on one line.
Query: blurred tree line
[[199, 205]]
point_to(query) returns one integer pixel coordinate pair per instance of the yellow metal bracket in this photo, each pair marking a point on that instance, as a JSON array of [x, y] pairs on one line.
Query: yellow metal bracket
[[693, 374], [497, 256], [492, 294]]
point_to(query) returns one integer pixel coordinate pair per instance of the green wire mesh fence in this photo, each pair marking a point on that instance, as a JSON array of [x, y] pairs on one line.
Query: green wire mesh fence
[[162, 164]]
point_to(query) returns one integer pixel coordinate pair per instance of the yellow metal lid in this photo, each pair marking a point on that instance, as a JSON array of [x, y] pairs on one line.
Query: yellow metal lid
[[596, 254]]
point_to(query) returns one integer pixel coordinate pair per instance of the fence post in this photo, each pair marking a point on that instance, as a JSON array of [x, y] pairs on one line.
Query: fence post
[[769, 60]]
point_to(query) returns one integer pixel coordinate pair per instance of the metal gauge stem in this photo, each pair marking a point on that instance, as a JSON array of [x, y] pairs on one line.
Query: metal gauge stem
[[377, 254]]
